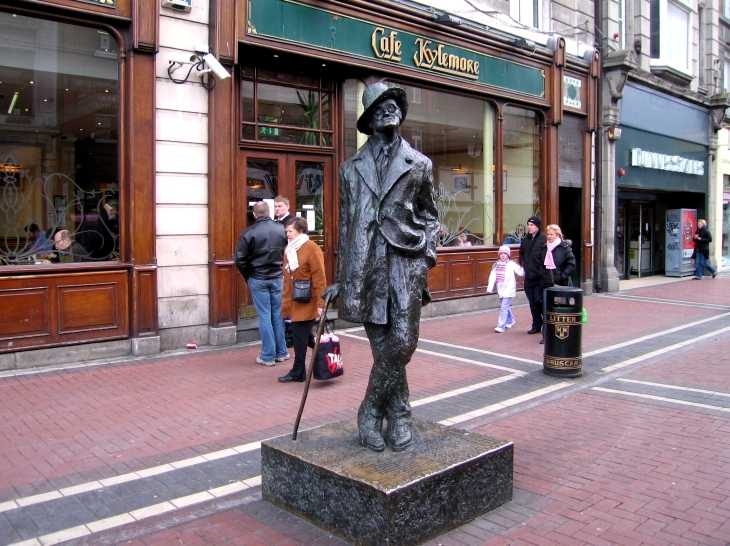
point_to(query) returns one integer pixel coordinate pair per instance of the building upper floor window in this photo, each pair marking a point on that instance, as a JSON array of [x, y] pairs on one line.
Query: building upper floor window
[[59, 146], [726, 9], [527, 12], [670, 34]]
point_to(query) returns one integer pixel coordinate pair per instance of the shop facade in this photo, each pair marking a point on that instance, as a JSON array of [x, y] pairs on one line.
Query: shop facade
[[490, 115], [661, 165], [77, 259], [152, 175]]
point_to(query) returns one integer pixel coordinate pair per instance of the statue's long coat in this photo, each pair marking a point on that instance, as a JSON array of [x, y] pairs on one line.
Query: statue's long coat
[[387, 236]]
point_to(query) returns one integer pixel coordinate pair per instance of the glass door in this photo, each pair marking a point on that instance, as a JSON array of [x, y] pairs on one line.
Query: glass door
[[304, 179], [641, 239]]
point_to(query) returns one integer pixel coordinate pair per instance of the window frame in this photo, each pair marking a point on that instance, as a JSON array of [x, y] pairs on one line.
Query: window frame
[[662, 58], [120, 257]]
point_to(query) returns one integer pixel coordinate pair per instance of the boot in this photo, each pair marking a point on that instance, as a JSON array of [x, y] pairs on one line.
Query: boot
[[400, 434], [369, 427]]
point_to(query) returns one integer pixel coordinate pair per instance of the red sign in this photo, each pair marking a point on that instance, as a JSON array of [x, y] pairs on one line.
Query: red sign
[[689, 227]]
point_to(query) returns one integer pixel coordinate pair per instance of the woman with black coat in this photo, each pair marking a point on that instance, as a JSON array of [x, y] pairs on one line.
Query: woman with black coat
[[559, 258]]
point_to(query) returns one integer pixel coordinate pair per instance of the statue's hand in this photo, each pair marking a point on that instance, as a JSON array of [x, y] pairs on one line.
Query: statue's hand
[[331, 292]]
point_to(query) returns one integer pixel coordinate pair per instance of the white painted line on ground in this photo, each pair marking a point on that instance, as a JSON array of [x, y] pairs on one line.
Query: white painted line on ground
[[243, 485], [152, 510], [648, 299], [42, 497], [195, 498], [228, 489], [484, 352], [110, 523], [116, 480], [663, 350], [504, 404], [64, 535], [465, 348], [463, 390], [655, 335], [243, 448], [137, 515], [122, 478], [8, 505], [676, 387], [78, 489], [661, 399]]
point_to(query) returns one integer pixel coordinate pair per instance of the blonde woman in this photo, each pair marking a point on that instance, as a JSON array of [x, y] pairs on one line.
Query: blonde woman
[[559, 258]]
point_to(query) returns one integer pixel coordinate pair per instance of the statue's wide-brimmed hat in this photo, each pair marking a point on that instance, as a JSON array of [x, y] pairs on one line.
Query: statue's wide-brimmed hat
[[373, 95]]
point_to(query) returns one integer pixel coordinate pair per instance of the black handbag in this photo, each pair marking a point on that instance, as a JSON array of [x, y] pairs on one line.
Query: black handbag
[[302, 290], [328, 363]]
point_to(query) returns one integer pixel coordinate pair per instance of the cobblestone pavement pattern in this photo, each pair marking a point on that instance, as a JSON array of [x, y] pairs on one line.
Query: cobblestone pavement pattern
[[165, 450]]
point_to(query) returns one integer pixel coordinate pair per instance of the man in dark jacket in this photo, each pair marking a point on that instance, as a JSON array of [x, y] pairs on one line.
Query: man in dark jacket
[[259, 258], [388, 226], [532, 259], [702, 250]]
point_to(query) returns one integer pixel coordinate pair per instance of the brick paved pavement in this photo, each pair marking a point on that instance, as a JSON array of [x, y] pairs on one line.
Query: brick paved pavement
[[614, 457]]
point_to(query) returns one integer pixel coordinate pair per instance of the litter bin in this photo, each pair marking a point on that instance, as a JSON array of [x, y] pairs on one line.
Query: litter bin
[[562, 307]]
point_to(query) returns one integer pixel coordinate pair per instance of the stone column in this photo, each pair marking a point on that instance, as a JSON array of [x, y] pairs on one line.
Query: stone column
[[616, 68]]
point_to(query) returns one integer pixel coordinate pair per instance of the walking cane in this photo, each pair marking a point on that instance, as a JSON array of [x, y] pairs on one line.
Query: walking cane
[[315, 350]]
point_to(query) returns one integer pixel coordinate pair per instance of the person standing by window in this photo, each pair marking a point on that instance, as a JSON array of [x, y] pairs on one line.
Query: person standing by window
[[303, 260]]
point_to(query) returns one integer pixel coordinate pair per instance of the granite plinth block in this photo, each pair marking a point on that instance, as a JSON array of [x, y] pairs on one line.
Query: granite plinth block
[[446, 478]]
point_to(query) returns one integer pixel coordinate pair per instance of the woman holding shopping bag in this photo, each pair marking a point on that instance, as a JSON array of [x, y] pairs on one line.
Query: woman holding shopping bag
[[304, 284]]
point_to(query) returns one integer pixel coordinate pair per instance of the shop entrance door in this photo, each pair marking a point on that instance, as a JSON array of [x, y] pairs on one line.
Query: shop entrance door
[[306, 180], [639, 230]]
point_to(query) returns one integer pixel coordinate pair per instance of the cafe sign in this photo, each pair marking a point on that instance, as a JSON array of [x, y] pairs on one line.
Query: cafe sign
[[429, 54], [294, 22]]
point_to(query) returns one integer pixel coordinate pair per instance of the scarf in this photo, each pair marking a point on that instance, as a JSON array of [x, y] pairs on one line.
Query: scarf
[[499, 269], [549, 262], [291, 251]]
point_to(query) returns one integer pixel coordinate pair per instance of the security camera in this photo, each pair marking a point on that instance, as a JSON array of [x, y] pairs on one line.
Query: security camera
[[217, 68]]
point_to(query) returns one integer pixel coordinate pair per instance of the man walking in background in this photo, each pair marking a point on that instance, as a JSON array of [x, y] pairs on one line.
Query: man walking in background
[[259, 258], [702, 250]]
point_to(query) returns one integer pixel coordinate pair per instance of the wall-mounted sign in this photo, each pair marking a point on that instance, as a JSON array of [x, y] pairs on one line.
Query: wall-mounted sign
[[572, 92], [664, 162], [290, 21], [429, 54]]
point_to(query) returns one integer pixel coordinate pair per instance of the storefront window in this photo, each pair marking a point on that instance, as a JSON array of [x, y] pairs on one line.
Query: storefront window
[[59, 148], [292, 110], [457, 134], [520, 172]]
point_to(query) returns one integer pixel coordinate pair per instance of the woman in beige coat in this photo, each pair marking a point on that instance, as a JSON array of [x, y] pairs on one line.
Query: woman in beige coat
[[303, 259]]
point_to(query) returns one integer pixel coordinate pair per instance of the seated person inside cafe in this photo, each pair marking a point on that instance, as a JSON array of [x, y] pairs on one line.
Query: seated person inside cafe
[[68, 249]]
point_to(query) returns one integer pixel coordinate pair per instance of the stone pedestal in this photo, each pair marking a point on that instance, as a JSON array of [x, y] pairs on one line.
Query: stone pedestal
[[447, 477]]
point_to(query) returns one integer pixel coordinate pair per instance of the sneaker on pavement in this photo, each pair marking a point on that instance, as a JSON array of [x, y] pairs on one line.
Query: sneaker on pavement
[[510, 325], [263, 362], [499, 330], [714, 274], [282, 358]]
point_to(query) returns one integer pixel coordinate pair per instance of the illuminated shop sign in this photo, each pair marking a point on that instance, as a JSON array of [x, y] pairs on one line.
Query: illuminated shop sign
[[664, 162]]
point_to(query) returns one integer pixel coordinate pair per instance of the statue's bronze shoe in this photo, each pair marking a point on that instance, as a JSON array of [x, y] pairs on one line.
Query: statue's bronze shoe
[[399, 435], [369, 429], [372, 440]]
